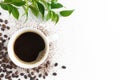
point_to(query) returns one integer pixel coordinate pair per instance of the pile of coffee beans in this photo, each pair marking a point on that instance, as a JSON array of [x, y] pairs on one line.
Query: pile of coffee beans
[[9, 71]]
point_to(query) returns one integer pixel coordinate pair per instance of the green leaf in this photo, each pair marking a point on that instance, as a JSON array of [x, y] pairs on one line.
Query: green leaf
[[54, 17], [56, 5], [41, 9], [44, 4], [48, 15], [10, 7], [4, 6], [26, 12], [57, 18], [66, 13], [21, 3], [15, 12], [7, 1], [54, 1], [34, 10]]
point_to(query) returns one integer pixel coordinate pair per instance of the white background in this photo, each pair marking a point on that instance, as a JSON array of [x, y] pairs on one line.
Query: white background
[[90, 38]]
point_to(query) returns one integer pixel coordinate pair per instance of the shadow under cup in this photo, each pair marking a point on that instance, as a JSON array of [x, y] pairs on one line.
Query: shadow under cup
[[28, 48]]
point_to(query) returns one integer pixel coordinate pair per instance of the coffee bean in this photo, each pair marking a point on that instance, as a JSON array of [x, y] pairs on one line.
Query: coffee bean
[[37, 70], [1, 20], [0, 46], [9, 38], [54, 74], [63, 67], [29, 75], [5, 36], [48, 62], [16, 73], [0, 70], [8, 27], [2, 29], [40, 75], [25, 76], [46, 74], [9, 71], [32, 73], [0, 34], [1, 75], [21, 74], [28, 70], [44, 77], [3, 26], [56, 64], [6, 21]]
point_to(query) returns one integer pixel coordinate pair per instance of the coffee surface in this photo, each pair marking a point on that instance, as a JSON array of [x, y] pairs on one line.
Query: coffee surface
[[28, 45]]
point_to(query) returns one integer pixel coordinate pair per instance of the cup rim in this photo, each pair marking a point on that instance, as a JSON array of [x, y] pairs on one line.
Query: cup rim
[[11, 52]]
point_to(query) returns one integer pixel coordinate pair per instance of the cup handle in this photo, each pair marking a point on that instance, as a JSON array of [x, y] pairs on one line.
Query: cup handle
[[52, 38]]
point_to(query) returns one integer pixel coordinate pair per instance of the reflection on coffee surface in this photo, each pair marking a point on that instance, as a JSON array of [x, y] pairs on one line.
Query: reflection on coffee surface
[[28, 46]]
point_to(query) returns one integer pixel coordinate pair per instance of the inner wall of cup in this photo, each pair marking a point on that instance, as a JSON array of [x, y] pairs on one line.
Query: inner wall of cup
[[41, 54]]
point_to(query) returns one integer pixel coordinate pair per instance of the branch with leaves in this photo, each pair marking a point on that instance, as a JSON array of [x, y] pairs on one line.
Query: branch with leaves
[[46, 9]]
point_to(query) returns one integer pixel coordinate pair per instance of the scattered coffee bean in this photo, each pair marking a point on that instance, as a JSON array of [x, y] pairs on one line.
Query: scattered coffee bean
[[1, 75], [28, 70], [56, 64], [32, 73], [25, 76], [63, 67], [40, 75], [21, 74], [44, 77], [6, 21], [5, 36], [54, 74], [46, 74], [8, 27], [2, 29], [0, 34], [1, 20], [3, 26]]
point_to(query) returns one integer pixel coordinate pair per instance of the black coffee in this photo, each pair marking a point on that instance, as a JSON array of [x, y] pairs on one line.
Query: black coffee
[[28, 45]]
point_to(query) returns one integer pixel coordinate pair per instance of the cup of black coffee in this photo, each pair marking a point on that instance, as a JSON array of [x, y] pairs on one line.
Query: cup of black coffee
[[28, 47]]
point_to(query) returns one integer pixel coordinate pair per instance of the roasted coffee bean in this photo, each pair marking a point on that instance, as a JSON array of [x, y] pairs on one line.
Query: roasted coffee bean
[[63, 67], [8, 27], [3, 26], [28, 70], [0, 34], [40, 75], [6, 21], [1, 75], [1, 20], [46, 74], [54, 74], [25, 76], [44, 77], [2, 29], [21, 74], [56, 64], [32, 73], [5, 36]]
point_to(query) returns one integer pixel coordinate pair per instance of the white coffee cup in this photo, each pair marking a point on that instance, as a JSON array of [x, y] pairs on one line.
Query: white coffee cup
[[42, 55]]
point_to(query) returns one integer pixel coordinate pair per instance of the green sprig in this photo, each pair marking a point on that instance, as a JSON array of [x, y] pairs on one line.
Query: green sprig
[[48, 10]]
